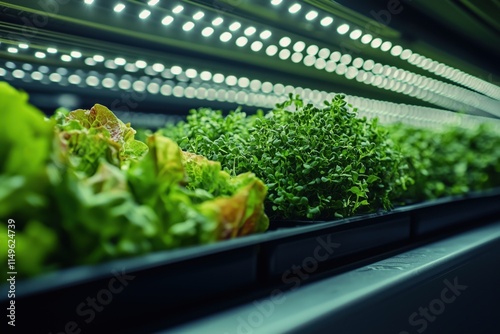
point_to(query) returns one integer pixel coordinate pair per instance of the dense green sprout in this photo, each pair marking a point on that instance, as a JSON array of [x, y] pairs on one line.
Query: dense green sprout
[[450, 161], [318, 163]]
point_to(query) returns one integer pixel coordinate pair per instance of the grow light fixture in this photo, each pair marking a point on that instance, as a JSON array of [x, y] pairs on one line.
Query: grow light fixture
[[250, 31], [198, 15], [311, 15], [119, 7], [294, 8], [217, 21], [144, 14], [188, 26], [167, 20], [177, 9], [343, 28], [208, 31]]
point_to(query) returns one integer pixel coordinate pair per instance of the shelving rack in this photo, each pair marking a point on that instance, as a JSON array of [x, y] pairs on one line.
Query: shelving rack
[[425, 63]]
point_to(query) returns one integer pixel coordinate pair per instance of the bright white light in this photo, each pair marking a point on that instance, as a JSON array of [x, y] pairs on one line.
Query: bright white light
[[153, 2], [243, 82], [355, 34], [167, 20], [320, 63], [297, 57], [198, 16], [177, 9], [284, 54], [139, 86], [367, 38], [312, 50], [12, 50], [396, 50], [235, 26], [346, 59], [231, 80], [55, 77], [335, 56], [141, 64], [250, 31], [376, 43], [124, 84], [218, 78], [120, 61], [108, 83], [386, 46], [406, 54], [208, 31], [23, 46], [176, 70], [256, 46], [324, 53], [158, 67], [191, 73], [89, 61], [66, 58], [39, 54], [276, 2], [51, 50], [119, 7], [343, 28], [225, 36], [98, 58], [242, 41], [188, 26], [265, 34], [37, 75], [205, 75], [76, 54], [74, 79], [326, 21], [92, 81], [144, 14], [311, 15], [89, 2], [358, 62], [294, 8], [299, 46], [285, 41], [218, 21], [271, 50]]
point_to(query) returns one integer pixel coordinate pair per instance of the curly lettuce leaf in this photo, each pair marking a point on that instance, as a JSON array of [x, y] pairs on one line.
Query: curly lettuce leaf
[[88, 136]]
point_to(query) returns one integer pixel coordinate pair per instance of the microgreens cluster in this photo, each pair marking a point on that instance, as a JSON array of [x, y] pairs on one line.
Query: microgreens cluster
[[318, 163]]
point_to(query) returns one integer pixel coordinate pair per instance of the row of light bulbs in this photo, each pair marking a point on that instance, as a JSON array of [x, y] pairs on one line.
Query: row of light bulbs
[[428, 64], [239, 90]]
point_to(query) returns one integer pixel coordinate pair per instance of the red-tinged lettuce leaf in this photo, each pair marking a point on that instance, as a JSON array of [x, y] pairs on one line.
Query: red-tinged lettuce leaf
[[87, 136], [242, 213]]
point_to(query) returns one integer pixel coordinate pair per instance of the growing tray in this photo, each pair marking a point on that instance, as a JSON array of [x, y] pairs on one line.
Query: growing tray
[[446, 214], [314, 245], [167, 283], [128, 292]]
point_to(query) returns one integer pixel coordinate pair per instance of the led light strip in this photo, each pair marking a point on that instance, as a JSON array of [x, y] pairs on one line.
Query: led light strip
[[412, 58], [242, 91]]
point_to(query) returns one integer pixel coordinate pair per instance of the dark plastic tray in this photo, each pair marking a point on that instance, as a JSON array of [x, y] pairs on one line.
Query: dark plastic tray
[[159, 284], [447, 213], [315, 245]]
